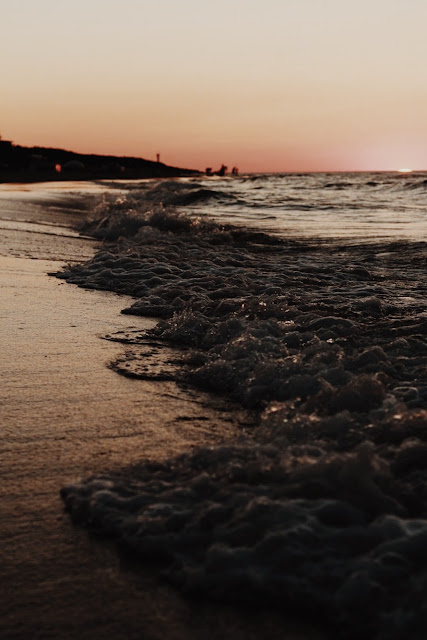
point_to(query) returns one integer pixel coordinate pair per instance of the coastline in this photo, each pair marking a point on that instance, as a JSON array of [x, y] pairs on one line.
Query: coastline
[[20, 164], [61, 422], [321, 507]]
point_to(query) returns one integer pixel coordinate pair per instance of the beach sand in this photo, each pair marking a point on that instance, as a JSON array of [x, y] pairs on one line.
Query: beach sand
[[66, 415]]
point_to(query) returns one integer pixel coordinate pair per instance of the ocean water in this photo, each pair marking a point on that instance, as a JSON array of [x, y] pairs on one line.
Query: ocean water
[[303, 300], [352, 206], [368, 206]]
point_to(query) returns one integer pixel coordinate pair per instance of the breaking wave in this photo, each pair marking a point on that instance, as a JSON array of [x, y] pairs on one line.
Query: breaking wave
[[323, 505], [182, 194], [418, 184], [371, 206]]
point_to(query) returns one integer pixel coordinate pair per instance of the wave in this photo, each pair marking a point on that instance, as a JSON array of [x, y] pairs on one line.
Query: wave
[[229, 523], [339, 185], [170, 193], [372, 183], [350, 205], [417, 184], [323, 505]]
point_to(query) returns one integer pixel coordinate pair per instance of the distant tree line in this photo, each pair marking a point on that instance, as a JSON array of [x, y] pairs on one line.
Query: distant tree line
[[32, 164]]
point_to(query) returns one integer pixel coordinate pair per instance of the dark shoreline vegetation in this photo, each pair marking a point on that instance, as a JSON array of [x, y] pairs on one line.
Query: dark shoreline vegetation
[[44, 164], [322, 507]]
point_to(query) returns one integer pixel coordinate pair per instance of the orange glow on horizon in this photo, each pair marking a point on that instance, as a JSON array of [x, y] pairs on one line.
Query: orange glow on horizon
[[272, 87], [247, 157]]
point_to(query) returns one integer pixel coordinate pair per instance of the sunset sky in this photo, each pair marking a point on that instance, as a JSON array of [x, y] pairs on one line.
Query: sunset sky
[[271, 85]]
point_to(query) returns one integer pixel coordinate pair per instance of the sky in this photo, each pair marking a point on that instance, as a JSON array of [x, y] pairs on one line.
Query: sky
[[271, 85]]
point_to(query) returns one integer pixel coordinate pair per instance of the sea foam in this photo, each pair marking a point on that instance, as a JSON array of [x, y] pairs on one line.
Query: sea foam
[[323, 505]]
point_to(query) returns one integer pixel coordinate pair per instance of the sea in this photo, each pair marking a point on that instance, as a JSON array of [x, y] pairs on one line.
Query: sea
[[368, 206], [353, 206], [302, 299]]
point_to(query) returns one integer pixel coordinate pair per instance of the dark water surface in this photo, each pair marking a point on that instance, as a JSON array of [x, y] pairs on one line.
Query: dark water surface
[[350, 205], [375, 205]]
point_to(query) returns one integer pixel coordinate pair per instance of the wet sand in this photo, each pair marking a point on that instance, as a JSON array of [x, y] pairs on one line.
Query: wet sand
[[64, 415]]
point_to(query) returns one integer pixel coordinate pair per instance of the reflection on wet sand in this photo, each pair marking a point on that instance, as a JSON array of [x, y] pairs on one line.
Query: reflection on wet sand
[[65, 415]]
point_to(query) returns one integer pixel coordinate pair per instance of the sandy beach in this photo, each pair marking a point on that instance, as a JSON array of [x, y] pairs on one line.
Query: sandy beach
[[66, 415]]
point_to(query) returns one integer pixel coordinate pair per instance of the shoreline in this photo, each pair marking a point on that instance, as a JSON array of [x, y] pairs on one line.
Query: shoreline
[[328, 350], [61, 583]]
